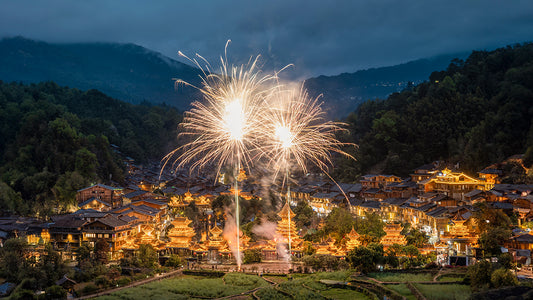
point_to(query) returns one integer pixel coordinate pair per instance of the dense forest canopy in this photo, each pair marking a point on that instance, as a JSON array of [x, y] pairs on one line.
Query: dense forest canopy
[[475, 113], [55, 140]]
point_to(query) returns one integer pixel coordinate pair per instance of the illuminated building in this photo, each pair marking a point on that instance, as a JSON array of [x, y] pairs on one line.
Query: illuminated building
[[180, 234], [393, 235], [452, 184]]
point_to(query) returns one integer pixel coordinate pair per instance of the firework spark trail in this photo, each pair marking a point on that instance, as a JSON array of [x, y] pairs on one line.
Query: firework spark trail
[[296, 129], [224, 128]]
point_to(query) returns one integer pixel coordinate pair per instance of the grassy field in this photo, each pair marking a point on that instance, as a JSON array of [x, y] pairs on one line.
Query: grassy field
[[276, 279], [298, 286], [402, 277], [444, 292], [186, 287], [403, 290], [343, 294], [451, 277]]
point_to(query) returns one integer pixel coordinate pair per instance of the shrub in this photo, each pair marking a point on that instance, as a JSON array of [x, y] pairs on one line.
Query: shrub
[[102, 281], [55, 292], [479, 275], [123, 281], [503, 277], [252, 256], [89, 289], [173, 261]]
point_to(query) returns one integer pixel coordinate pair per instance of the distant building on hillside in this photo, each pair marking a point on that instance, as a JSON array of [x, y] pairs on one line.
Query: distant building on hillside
[[102, 193]]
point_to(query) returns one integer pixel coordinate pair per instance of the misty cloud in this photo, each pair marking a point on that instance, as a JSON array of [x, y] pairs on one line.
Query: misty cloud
[[319, 37]]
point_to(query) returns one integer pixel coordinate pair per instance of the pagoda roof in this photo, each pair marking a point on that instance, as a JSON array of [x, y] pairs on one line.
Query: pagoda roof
[[216, 230], [285, 211], [353, 234]]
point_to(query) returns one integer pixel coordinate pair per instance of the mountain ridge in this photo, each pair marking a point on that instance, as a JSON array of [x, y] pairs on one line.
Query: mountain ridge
[[349, 90], [124, 71], [135, 74]]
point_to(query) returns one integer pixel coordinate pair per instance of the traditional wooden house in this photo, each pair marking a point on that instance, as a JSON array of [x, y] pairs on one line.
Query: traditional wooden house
[[96, 204], [104, 193], [452, 184], [323, 203], [66, 234], [423, 172], [113, 230], [378, 181]]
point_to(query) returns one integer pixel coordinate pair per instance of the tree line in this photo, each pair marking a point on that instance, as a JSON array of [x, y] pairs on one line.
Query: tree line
[[476, 112], [55, 140]]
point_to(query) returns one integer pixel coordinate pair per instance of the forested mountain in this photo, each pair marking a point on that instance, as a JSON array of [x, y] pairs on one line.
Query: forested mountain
[[134, 74], [345, 92], [123, 71], [56, 140], [475, 113]]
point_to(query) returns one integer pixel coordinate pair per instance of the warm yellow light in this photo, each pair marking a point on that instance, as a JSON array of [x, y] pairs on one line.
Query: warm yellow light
[[234, 119], [284, 135]]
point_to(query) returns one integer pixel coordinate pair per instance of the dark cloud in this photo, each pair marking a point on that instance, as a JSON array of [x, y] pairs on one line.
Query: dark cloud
[[319, 37]]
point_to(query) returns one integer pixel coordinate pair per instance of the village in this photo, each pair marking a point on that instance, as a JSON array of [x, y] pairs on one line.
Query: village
[[149, 210]]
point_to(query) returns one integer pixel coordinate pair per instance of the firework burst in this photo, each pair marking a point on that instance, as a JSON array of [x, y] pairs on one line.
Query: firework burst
[[223, 129], [297, 132]]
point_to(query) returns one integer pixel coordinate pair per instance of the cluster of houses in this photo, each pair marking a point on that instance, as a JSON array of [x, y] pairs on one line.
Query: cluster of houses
[[434, 199]]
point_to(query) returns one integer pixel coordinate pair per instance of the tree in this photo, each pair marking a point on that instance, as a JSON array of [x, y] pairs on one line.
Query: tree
[[83, 253], [13, 259], [55, 292], [503, 277], [51, 265], [304, 214], [365, 259], [338, 223], [101, 248], [492, 240], [391, 255], [11, 201], [479, 274], [417, 238], [411, 254], [371, 224], [147, 256], [174, 261], [252, 256]]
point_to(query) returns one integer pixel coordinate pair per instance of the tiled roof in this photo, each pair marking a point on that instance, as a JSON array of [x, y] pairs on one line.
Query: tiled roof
[[68, 221], [111, 221], [135, 194], [91, 200], [102, 186]]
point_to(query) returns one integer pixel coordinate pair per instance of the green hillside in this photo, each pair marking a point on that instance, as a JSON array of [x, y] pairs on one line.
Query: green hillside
[[475, 113], [55, 140], [123, 71]]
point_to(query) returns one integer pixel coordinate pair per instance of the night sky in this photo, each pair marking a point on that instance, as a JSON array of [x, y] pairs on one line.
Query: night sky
[[319, 37]]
